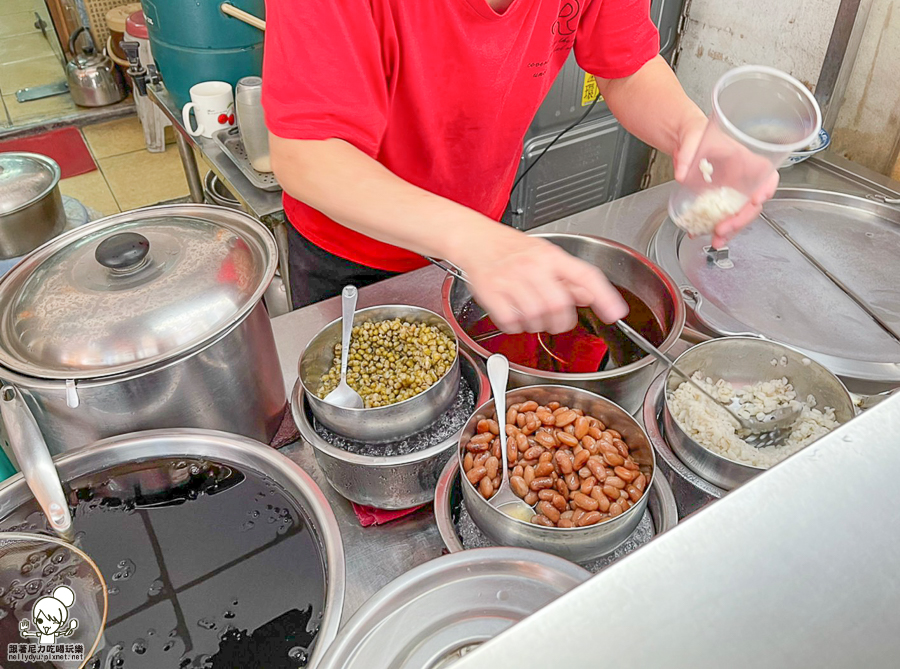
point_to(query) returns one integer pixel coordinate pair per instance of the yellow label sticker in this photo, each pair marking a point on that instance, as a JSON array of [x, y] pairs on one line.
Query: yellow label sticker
[[590, 90]]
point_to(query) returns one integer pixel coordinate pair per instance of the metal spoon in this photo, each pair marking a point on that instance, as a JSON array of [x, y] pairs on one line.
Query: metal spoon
[[762, 434], [344, 396], [504, 499]]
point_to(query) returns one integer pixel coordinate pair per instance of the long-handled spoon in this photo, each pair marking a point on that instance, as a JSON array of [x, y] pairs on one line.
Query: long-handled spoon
[[344, 396], [504, 499]]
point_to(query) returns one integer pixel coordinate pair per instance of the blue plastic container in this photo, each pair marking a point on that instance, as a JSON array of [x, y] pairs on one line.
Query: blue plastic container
[[194, 41]]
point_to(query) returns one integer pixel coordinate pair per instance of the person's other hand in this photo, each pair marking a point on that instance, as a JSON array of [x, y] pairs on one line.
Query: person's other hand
[[527, 284], [689, 141]]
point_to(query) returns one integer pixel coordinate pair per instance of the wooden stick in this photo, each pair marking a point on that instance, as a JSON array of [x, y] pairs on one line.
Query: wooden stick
[[241, 15]]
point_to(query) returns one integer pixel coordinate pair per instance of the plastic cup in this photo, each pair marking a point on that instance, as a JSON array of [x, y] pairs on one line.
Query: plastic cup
[[760, 115], [248, 103]]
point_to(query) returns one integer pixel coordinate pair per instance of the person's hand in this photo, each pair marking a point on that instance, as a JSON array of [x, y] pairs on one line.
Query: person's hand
[[689, 141], [527, 284]]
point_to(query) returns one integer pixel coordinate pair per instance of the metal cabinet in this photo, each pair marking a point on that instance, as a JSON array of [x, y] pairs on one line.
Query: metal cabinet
[[595, 162]]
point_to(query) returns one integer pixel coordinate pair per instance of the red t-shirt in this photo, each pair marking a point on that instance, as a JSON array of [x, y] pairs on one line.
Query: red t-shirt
[[441, 92]]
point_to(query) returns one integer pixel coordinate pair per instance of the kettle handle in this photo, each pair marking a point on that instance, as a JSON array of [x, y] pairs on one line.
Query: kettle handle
[[74, 37]]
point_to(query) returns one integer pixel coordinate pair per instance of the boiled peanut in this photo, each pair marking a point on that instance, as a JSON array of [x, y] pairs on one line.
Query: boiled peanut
[[615, 509], [591, 518], [565, 417], [518, 485], [518, 470], [595, 433], [482, 438], [581, 427], [543, 469], [612, 493], [529, 474], [581, 458], [566, 439], [486, 487], [596, 468], [632, 465], [565, 523], [602, 500], [468, 462], [481, 458], [562, 488], [625, 474], [615, 482], [531, 405], [533, 453], [578, 515], [559, 502], [492, 465], [476, 474], [621, 446], [553, 406], [512, 453], [564, 462], [545, 417], [546, 495], [587, 485], [531, 498], [546, 456], [549, 510], [613, 459], [545, 439], [573, 481], [585, 502], [640, 482], [541, 483], [540, 519]]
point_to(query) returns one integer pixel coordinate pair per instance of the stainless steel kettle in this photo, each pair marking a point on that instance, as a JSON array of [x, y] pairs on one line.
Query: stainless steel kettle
[[93, 79]]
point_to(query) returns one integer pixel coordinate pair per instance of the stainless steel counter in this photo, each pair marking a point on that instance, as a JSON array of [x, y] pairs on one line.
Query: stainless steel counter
[[377, 555]]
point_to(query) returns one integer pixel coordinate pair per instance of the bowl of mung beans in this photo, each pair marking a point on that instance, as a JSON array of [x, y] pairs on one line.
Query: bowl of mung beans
[[582, 461], [404, 363]]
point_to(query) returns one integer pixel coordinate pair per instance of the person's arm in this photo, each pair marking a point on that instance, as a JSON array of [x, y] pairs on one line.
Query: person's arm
[[523, 282], [652, 105]]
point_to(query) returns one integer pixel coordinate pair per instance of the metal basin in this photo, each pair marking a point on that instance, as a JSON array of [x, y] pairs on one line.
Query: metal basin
[[437, 612], [743, 361], [579, 544], [448, 500], [393, 482], [380, 424], [623, 266], [239, 452]]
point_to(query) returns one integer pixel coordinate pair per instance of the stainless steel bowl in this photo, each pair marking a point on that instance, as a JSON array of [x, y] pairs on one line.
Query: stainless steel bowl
[[623, 266], [448, 498], [381, 424], [579, 544], [743, 361], [396, 482]]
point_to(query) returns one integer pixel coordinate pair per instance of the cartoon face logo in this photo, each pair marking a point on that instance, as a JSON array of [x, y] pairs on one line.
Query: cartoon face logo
[[568, 19], [50, 616]]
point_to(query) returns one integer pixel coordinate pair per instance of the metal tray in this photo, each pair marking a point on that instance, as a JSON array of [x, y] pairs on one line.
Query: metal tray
[[451, 517], [229, 140]]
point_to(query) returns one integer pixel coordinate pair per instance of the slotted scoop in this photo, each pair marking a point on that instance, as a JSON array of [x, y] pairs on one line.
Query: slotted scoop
[[761, 434], [504, 499]]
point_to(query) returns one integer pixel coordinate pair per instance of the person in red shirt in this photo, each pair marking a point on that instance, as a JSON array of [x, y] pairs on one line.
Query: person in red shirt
[[396, 129]]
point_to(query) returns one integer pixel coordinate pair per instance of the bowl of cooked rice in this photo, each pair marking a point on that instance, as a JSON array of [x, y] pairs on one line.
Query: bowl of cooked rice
[[754, 377]]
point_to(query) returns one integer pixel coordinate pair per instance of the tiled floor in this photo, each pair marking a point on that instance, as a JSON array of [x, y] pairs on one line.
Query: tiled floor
[[128, 176]]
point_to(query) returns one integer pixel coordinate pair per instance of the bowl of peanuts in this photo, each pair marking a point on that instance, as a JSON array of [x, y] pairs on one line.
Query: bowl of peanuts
[[584, 464]]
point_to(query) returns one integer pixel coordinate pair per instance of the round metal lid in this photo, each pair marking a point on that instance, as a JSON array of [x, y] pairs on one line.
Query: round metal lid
[[25, 178], [435, 613], [132, 290], [767, 287]]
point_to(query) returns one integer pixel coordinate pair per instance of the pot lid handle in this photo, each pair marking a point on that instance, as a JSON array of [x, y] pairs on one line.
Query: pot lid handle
[[123, 252]]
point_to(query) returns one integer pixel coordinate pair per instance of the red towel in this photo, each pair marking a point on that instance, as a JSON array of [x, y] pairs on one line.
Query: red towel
[[66, 146], [369, 515]]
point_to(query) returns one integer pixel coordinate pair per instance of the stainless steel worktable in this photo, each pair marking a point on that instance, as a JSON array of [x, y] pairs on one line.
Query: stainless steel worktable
[[377, 555]]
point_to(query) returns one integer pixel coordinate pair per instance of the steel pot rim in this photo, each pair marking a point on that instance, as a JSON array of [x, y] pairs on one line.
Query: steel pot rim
[[747, 470], [265, 238], [561, 377], [561, 531], [56, 177], [240, 451], [309, 435]]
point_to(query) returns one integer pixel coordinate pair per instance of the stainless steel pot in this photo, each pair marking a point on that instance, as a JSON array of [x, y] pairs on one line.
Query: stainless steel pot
[[147, 319], [395, 482], [624, 267], [31, 207], [217, 193], [579, 544], [227, 449], [439, 611], [386, 423]]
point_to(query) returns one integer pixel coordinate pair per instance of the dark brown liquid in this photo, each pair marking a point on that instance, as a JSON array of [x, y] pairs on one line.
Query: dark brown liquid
[[206, 566], [591, 347]]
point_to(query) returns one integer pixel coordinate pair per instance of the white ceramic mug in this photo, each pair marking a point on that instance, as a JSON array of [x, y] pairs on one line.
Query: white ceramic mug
[[213, 105]]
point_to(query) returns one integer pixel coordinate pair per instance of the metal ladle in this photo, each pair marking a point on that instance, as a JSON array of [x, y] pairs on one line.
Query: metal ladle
[[762, 434], [344, 396], [505, 500]]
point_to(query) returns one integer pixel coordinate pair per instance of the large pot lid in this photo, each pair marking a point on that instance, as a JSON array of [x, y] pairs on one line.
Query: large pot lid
[[438, 611], [132, 290], [768, 287], [25, 178]]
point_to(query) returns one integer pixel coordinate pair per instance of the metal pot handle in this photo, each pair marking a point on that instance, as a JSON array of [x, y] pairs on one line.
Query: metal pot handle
[[34, 460]]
